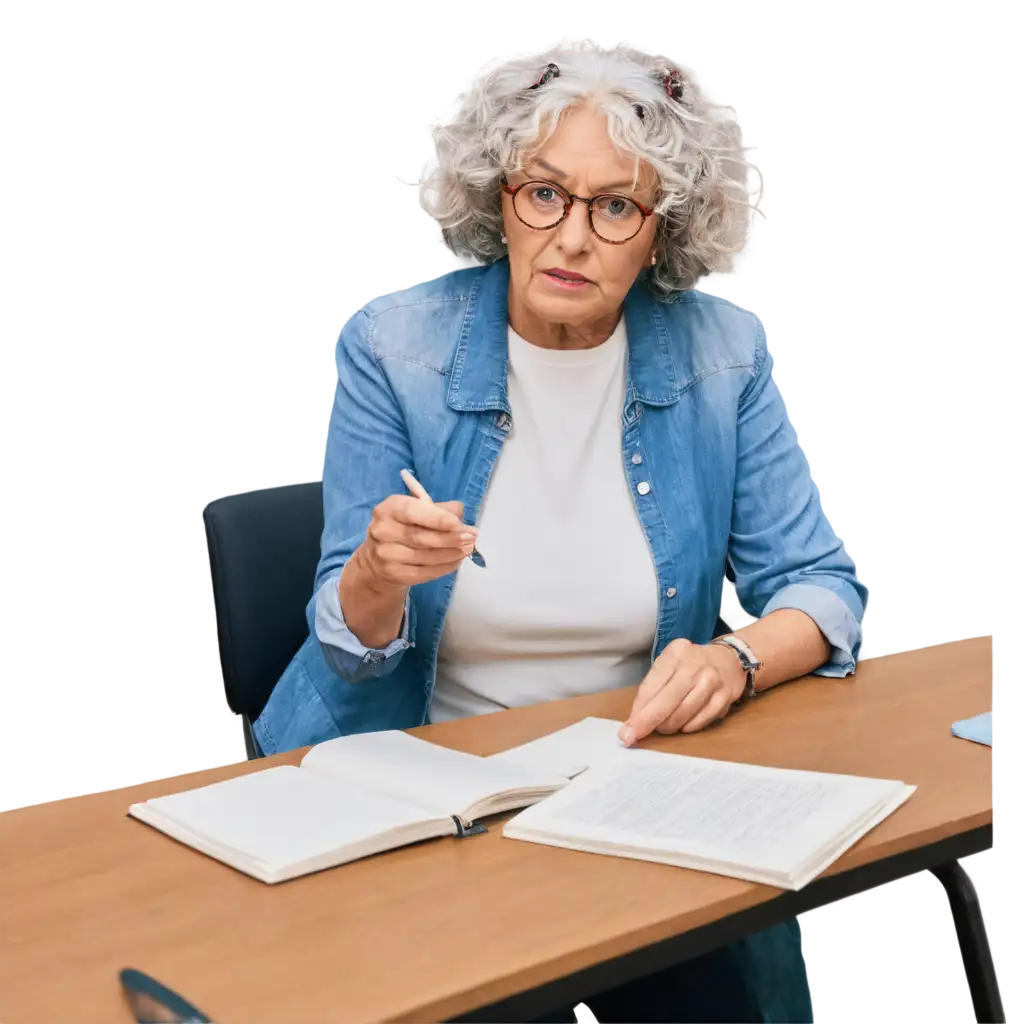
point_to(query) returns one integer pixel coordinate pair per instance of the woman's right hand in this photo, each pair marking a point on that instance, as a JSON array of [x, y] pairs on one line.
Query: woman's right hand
[[411, 541]]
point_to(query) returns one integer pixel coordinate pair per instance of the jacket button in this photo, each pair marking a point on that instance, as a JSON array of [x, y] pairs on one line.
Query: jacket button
[[671, 592], [643, 487], [637, 459], [504, 421]]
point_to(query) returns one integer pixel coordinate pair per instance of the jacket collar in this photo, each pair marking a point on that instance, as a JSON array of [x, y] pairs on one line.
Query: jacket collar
[[479, 374]]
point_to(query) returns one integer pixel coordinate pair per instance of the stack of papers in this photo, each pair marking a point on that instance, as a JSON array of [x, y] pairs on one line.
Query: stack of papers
[[777, 826]]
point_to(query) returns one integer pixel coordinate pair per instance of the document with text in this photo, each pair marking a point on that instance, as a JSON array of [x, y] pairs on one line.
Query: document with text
[[776, 826]]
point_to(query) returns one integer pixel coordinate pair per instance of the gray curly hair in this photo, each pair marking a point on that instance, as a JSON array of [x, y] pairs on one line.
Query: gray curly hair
[[691, 144]]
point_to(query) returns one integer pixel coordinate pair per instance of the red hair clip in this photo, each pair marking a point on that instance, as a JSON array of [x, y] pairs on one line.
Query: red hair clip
[[673, 84], [549, 72]]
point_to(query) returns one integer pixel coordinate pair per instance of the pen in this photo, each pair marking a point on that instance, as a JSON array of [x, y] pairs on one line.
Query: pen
[[418, 490]]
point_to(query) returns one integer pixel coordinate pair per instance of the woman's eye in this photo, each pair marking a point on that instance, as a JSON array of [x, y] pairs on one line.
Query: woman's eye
[[618, 208]]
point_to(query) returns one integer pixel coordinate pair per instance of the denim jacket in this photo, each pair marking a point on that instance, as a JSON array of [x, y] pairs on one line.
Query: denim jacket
[[712, 462]]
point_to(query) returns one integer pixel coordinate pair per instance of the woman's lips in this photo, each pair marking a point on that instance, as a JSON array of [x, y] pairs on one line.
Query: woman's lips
[[561, 279]]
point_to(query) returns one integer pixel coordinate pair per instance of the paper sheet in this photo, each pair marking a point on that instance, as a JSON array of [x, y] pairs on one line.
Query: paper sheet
[[404, 767], [282, 815], [570, 751]]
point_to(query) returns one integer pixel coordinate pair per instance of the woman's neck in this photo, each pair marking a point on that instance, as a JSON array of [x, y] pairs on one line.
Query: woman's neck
[[548, 334]]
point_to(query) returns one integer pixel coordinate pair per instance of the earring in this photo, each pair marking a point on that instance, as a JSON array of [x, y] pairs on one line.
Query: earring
[[504, 240], [654, 258]]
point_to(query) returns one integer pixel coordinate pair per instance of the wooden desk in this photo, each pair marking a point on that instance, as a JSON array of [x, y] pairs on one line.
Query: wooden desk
[[447, 927]]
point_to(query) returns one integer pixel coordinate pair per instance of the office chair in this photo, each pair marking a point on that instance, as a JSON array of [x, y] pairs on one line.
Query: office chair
[[264, 547]]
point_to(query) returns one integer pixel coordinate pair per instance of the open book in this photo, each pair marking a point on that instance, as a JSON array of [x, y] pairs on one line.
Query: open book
[[776, 826], [351, 797]]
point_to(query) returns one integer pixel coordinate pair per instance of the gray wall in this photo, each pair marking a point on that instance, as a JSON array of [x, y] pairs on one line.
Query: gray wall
[[188, 199]]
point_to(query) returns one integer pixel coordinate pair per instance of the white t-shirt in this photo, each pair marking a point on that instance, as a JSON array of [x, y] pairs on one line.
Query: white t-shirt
[[568, 602]]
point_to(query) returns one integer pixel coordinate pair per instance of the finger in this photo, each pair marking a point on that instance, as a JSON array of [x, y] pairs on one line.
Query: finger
[[386, 530], [413, 512], [661, 707], [716, 708], [661, 671], [653, 683], [455, 507], [401, 554], [419, 538], [706, 682], [659, 674]]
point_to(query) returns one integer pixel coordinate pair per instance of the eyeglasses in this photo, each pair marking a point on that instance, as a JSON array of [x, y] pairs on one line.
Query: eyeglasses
[[542, 205]]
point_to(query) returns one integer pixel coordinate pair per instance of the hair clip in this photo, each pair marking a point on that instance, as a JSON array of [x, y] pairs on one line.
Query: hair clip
[[673, 84], [551, 71]]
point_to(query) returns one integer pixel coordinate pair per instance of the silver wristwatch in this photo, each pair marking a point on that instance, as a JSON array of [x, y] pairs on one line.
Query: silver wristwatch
[[748, 659]]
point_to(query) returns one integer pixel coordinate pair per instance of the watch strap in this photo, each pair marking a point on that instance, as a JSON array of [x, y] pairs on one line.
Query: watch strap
[[747, 659]]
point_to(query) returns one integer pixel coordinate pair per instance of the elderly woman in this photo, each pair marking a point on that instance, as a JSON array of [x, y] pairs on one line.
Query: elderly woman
[[609, 440]]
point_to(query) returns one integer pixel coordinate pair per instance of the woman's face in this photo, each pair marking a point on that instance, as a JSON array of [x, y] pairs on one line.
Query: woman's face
[[582, 160]]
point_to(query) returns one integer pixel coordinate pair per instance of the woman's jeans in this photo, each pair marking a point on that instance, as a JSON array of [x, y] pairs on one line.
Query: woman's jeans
[[758, 978]]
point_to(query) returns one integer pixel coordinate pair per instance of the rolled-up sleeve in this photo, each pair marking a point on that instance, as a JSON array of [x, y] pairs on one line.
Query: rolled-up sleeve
[[832, 615], [342, 650], [782, 549], [367, 447]]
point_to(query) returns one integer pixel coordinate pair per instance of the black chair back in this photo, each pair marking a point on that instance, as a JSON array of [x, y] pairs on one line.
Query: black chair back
[[264, 548]]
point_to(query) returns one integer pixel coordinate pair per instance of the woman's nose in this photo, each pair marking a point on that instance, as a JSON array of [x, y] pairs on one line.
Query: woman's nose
[[574, 231]]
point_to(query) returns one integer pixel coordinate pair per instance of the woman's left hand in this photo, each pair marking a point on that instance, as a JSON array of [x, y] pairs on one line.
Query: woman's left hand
[[689, 687]]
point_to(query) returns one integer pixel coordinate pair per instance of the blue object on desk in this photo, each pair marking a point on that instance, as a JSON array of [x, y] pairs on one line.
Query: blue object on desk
[[153, 1003], [978, 729]]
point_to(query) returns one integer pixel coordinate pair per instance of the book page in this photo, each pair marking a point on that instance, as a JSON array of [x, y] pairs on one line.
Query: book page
[[281, 816], [436, 778], [570, 751], [771, 818]]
